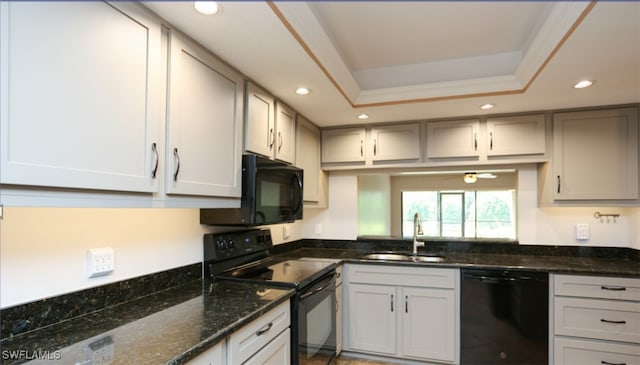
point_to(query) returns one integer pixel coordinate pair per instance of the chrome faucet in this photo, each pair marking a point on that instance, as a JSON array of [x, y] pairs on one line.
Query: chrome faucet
[[417, 230]]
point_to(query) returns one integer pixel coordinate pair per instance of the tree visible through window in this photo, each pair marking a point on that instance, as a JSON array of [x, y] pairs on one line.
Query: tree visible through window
[[461, 214]]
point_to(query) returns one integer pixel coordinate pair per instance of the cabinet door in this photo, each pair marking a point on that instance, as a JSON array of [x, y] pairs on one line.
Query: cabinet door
[[308, 158], [372, 318], [453, 139], [205, 124], [596, 154], [285, 149], [260, 127], [343, 145], [80, 95], [276, 352], [398, 142], [428, 323], [518, 135]]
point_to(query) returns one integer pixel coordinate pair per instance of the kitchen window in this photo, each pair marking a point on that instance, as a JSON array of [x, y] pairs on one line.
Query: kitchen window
[[460, 213]]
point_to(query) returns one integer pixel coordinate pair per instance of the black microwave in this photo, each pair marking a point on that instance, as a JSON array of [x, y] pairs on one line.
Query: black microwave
[[271, 193]]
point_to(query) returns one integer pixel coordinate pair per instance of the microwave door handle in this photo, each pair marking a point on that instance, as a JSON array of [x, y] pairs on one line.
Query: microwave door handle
[[297, 182]]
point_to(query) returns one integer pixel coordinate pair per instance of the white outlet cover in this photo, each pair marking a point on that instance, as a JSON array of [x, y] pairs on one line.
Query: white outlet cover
[[100, 261], [582, 231]]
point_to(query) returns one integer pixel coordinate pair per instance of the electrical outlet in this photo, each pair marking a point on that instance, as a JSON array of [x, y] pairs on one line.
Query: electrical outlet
[[582, 231], [100, 261]]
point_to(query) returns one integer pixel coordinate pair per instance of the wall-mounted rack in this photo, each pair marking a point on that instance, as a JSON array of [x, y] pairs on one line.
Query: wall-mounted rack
[[608, 217]]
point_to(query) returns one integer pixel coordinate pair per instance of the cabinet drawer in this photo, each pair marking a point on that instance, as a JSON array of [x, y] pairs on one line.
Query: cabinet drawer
[[581, 352], [277, 351], [597, 287], [426, 277], [249, 339], [598, 319]]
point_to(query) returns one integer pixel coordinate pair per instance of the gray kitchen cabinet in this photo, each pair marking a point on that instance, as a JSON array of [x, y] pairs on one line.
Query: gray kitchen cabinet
[[213, 356], [269, 126], [595, 155], [516, 135], [596, 320], [392, 143], [204, 124], [308, 159], [265, 340], [81, 96], [401, 311], [453, 139]]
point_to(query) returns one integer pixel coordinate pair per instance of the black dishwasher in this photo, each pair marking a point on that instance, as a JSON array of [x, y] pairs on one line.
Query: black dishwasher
[[504, 317]]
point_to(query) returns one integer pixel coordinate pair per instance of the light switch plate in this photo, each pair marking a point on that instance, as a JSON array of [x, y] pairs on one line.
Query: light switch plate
[[582, 231]]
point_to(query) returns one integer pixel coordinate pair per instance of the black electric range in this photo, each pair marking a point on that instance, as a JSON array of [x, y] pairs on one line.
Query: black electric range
[[244, 256]]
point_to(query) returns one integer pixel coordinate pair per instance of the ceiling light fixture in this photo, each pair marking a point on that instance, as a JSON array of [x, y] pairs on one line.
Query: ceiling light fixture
[[302, 91], [363, 116], [487, 106], [582, 84], [470, 177], [207, 7]]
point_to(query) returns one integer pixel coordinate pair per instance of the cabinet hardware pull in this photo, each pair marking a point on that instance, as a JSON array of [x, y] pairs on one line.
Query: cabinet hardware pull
[[612, 363], [475, 141], [614, 288], [177, 156], [272, 138], [491, 141], [279, 141], [392, 302], [406, 304], [154, 149], [375, 147], [614, 322], [264, 329], [361, 147], [558, 184]]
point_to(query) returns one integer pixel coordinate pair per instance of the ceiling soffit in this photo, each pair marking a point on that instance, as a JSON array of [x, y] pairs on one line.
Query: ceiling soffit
[[505, 72]]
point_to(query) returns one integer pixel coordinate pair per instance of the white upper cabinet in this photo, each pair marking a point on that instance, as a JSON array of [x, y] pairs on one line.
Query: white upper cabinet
[[518, 135], [270, 127], [343, 145], [260, 124], [595, 155], [204, 136], [397, 142], [308, 159], [400, 142], [80, 95], [453, 139], [285, 144]]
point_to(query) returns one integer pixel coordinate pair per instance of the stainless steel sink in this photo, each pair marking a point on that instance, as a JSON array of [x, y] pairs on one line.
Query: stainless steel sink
[[402, 257]]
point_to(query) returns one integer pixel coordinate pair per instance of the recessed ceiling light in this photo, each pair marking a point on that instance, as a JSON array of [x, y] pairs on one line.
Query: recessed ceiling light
[[487, 106], [582, 84], [302, 91], [363, 116], [207, 7]]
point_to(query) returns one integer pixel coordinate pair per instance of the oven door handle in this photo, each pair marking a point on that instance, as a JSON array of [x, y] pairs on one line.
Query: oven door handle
[[325, 284]]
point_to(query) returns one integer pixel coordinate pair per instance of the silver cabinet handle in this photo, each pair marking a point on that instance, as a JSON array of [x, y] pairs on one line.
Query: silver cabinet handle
[[279, 141], [375, 147], [558, 184], [613, 288], [361, 147], [406, 304], [491, 141], [154, 149], [475, 141], [177, 157], [612, 322], [612, 363]]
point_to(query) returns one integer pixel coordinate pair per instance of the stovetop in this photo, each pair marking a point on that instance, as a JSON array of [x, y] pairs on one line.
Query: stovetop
[[290, 273]]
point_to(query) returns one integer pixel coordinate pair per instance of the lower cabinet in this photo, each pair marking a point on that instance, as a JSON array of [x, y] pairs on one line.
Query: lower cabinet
[[264, 341], [404, 312], [596, 320]]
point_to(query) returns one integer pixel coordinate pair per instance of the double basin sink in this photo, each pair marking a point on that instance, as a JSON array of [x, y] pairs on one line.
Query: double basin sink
[[402, 257]]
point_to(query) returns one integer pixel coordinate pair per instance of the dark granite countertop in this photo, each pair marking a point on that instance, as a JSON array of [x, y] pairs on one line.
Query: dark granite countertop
[[167, 327]]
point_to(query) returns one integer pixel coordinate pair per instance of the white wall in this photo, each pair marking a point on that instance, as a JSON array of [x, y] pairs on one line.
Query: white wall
[[43, 250]]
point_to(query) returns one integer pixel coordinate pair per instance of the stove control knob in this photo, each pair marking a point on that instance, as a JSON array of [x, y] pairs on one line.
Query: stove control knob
[[222, 245], [231, 245]]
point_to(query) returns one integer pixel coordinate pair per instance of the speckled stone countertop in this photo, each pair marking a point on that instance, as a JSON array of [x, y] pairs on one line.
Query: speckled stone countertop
[[168, 327], [553, 259]]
